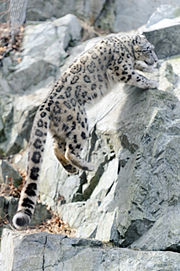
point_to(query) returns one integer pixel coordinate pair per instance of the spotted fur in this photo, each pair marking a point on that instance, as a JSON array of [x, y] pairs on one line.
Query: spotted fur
[[114, 59]]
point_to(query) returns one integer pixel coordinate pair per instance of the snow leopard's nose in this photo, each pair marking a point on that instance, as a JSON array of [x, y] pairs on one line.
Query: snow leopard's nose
[[155, 57]]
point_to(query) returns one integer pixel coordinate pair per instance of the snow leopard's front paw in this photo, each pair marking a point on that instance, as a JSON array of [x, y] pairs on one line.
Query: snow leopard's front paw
[[153, 84], [149, 69]]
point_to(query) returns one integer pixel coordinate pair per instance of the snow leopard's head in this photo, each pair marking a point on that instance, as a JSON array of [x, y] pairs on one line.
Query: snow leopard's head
[[144, 50]]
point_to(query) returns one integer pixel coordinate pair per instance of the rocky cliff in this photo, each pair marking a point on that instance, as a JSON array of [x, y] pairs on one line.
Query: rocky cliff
[[113, 15], [132, 199]]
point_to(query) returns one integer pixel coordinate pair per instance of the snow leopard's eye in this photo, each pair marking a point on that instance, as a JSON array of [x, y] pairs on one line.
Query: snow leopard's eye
[[143, 51], [146, 50], [149, 48]]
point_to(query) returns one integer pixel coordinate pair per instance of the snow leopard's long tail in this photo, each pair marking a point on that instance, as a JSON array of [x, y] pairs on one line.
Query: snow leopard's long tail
[[29, 192]]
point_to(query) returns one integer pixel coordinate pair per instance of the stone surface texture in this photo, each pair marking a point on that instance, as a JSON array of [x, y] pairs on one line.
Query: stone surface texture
[[57, 252]]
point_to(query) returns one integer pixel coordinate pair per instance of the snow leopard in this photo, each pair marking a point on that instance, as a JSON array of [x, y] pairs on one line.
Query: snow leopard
[[115, 58]]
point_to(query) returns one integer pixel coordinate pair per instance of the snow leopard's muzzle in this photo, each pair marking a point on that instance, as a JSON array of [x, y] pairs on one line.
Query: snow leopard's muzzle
[[151, 58]]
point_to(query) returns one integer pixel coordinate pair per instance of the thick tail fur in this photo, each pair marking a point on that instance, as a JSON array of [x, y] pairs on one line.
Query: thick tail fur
[[29, 193]]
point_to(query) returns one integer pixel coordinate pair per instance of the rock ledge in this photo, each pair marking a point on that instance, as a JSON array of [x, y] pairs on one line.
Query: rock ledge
[[50, 252]]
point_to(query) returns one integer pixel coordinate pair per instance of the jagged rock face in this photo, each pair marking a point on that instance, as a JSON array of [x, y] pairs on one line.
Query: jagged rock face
[[56, 252], [133, 195]]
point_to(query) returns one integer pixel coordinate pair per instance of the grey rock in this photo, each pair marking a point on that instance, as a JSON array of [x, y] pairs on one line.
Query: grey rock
[[124, 21], [51, 39], [43, 251], [42, 10], [44, 50], [164, 14], [109, 15], [163, 40], [8, 172], [17, 120], [161, 29], [4, 8], [166, 228], [29, 73], [153, 180], [6, 113]]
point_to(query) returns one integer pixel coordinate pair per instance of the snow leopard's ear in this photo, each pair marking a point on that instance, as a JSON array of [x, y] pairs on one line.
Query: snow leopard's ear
[[138, 39]]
